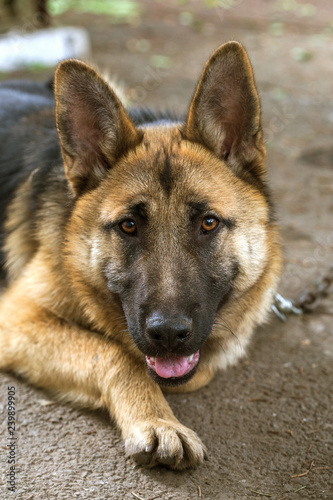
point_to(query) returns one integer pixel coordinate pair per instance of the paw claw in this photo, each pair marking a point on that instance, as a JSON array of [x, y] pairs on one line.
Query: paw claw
[[170, 461], [142, 458], [163, 442]]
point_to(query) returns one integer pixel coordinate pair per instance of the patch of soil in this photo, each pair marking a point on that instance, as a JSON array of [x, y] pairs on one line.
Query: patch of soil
[[267, 422]]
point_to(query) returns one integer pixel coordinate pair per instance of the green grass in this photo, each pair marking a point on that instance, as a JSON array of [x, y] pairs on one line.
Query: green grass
[[120, 10]]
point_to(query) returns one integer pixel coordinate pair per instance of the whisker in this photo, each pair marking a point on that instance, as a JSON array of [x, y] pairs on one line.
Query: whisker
[[225, 327]]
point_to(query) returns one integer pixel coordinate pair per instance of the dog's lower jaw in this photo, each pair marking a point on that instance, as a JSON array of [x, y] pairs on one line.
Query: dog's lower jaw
[[172, 381]]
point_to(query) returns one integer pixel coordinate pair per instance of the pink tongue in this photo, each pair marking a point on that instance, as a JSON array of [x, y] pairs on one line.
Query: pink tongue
[[172, 367]]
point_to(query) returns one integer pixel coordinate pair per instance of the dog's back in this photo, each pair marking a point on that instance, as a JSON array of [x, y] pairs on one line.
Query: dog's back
[[27, 136]]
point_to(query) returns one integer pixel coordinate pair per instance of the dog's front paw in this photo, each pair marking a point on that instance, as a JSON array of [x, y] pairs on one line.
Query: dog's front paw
[[164, 442]]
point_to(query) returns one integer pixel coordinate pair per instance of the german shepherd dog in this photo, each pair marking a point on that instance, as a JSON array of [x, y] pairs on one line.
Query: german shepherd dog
[[140, 249]]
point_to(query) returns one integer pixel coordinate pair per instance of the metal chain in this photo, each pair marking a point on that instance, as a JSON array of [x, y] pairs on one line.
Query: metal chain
[[306, 302], [309, 298]]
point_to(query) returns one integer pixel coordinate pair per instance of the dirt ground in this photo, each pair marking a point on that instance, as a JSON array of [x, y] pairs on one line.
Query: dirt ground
[[267, 422]]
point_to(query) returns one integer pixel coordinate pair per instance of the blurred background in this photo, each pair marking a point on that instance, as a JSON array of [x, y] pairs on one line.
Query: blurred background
[[157, 46], [267, 422]]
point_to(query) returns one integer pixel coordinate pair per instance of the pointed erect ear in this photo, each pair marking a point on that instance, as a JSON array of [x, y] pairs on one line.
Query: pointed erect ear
[[224, 114], [93, 127]]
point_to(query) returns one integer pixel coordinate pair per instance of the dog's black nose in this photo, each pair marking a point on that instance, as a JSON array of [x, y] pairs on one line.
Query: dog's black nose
[[168, 332]]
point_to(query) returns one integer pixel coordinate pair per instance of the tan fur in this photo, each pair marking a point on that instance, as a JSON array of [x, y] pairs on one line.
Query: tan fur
[[24, 238], [62, 329]]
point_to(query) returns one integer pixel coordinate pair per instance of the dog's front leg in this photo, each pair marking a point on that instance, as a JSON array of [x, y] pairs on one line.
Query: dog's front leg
[[91, 370]]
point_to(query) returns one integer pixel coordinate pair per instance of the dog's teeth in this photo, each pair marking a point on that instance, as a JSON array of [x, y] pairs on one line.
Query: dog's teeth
[[189, 359], [152, 359]]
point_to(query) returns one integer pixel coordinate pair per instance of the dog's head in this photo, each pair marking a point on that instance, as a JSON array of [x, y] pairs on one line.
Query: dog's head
[[171, 218]]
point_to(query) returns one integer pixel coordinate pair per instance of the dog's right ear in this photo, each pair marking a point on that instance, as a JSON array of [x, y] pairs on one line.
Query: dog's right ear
[[224, 114], [93, 127]]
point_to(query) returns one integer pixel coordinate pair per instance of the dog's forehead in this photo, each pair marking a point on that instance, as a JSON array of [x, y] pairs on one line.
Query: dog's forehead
[[166, 173]]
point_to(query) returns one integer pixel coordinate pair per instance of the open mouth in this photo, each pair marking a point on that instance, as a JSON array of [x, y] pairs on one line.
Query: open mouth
[[172, 370]]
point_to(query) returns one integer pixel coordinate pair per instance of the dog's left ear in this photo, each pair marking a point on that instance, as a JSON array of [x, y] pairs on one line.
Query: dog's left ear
[[94, 129], [224, 114]]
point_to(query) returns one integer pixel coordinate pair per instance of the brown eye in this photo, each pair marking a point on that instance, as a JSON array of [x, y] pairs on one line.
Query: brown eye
[[209, 224], [128, 226]]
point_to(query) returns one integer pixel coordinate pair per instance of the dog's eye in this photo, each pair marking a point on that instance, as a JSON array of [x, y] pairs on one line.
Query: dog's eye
[[209, 224], [128, 226]]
